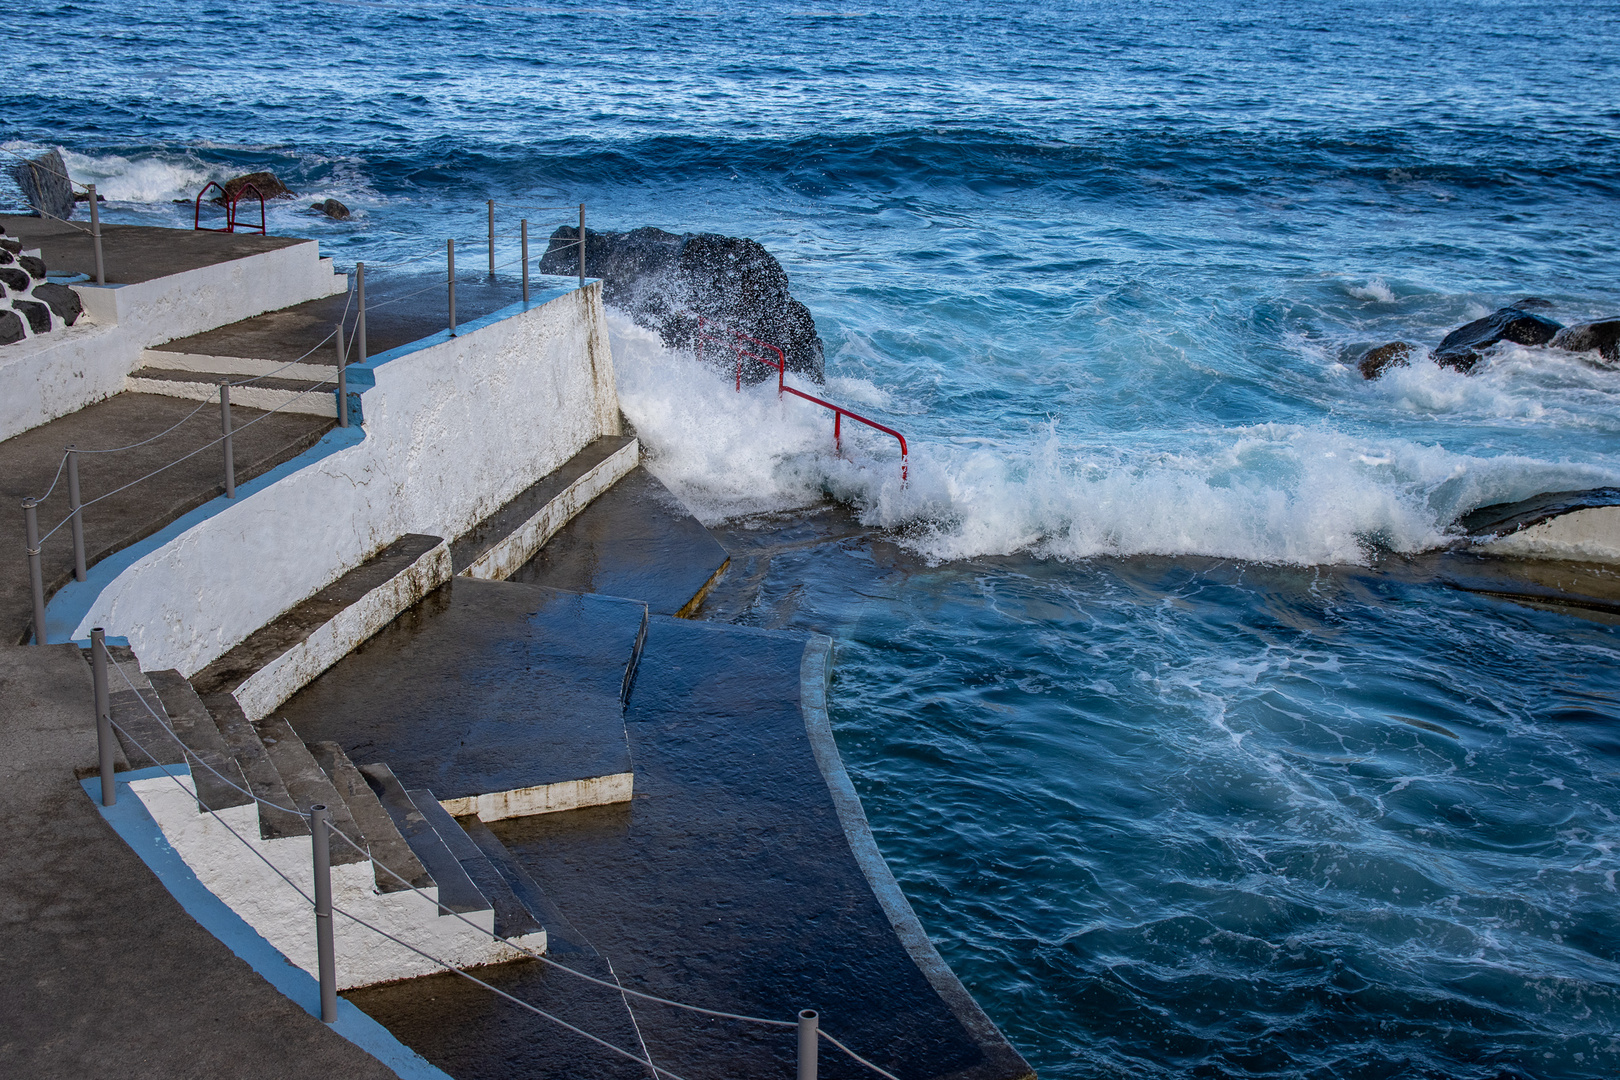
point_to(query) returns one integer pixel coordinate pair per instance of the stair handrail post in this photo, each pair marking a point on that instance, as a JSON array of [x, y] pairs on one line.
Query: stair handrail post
[[76, 505], [360, 322], [320, 819], [342, 379], [103, 698], [809, 1021], [523, 228], [95, 239], [450, 262], [492, 238], [228, 450], [582, 245], [36, 575]]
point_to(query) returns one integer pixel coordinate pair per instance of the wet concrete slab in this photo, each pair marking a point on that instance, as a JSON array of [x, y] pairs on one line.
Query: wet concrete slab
[[636, 540], [134, 253], [483, 687], [728, 883]]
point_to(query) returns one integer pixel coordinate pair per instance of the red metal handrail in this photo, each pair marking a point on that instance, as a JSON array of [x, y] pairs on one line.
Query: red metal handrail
[[229, 202], [241, 191], [838, 411]]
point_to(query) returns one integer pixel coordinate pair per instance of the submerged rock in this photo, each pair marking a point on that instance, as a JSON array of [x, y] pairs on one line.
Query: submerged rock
[[265, 183], [45, 184], [332, 209], [1459, 350], [62, 300], [1600, 337], [1377, 361], [666, 282]]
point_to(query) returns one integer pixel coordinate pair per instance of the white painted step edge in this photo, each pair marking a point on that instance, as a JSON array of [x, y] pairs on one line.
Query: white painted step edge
[[319, 402], [545, 798], [232, 365]]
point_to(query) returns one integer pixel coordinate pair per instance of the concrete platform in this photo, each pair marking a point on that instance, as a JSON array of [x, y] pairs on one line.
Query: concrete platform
[[106, 974], [636, 540], [729, 882], [484, 687], [135, 253], [28, 462]]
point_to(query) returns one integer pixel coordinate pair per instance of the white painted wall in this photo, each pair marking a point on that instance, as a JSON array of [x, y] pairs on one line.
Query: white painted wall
[[54, 374], [453, 431]]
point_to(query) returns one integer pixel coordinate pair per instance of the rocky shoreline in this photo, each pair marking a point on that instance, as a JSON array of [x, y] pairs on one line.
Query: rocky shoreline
[[1462, 349]]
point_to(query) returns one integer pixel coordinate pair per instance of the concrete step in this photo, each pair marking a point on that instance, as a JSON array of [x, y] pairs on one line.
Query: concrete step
[[319, 365], [512, 917], [505, 700], [636, 540], [143, 736], [561, 935], [243, 744], [507, 539], [457, 893], [382, 836], [279, 658], [308, 786], [295, 395], [213, 771]]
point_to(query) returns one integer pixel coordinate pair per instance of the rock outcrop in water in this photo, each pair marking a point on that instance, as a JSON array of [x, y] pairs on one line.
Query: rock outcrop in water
[[268, 185], [1460, 350], [45, 184], [1602, 338], [666, 282], [1375, 362]]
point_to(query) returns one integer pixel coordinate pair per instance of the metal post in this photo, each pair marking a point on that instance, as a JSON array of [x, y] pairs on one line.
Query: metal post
[[342, 380], [76, 504], [492, 238], [360, 323], [95, 239], [808, 1021], [319, 820], [104, 732], [582, 245], [838, 437], [35, 574], [523, 227], [451, 249], [225, 430]]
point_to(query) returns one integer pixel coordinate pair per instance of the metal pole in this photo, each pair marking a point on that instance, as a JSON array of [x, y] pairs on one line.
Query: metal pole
[[808, 1021], [523, 227], [342, 380], [451, 249], [360, 323], [37, 577], [319, 820], [76, 504], [492, 238], [582, 245], [225, 430], [95, 239], [104, 732]]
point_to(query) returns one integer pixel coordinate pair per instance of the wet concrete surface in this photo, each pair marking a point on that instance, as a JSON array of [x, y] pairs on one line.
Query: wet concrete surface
[[134, 253], [636, 540], [726, 883], [105, 973], [484, 686], [29, 461]]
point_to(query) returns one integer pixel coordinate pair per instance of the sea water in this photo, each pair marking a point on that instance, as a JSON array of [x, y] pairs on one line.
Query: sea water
[[1178, 781]]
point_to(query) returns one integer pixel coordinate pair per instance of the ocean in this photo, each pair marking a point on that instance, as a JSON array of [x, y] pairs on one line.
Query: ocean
[[1183, 782]]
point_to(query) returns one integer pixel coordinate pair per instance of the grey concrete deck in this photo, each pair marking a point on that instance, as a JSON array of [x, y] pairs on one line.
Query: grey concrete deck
[[28, 462], [134, 253], [105, 973], [636, 540]]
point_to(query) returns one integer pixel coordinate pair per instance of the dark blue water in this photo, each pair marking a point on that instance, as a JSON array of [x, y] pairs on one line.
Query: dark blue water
[[1180, 790]]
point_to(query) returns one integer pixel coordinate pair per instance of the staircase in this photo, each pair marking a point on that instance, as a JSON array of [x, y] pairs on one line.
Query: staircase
[[309, 388]]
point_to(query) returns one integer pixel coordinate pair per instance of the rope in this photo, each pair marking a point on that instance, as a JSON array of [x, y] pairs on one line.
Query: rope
[[59, 467], [347, 304], [857, 1057], [524, 206], [40, 165]]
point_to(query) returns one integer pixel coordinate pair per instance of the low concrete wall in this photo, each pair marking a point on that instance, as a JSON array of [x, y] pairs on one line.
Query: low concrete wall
[[454, 429], [54, 374], [546, 798]]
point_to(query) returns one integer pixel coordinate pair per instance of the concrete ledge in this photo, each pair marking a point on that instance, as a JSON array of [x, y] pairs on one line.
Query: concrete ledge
[[502, 559], [283, 676], [232, 365], [318, 402], [545, 798]]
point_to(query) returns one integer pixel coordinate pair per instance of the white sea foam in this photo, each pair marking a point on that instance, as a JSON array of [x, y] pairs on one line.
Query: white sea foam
[[1273, 492], [1375, 290], [158, 178]]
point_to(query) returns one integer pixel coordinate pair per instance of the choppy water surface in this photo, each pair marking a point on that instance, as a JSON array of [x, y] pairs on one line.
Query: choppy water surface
[[1183, 784]]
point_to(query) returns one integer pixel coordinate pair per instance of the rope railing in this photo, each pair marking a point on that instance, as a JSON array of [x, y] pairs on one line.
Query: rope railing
[[363, 850], [94, 230]]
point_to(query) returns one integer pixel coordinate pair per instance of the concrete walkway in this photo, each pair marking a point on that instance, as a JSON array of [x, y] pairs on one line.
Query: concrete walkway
[[134, 253], [105, 973], [29, 461]]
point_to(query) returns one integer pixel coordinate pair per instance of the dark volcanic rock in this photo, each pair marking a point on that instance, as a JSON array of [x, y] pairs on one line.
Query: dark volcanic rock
[[14, 279], [11, 327], [13, 246], [666, 282], [1602, 337], [1377, 361], [266, 183], [63, 300], [37, 314], [34, 265], [332, 209], [6, 257], [1459, 349], [45, 184], [84, 196]]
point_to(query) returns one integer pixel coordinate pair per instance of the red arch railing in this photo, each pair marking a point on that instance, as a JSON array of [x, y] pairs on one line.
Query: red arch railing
[[230, 203], [737, 342]]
